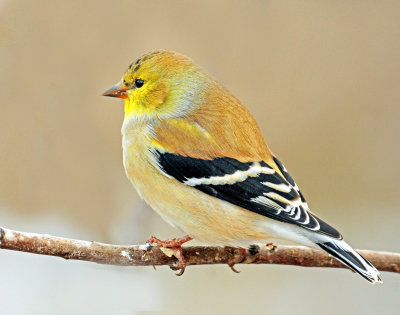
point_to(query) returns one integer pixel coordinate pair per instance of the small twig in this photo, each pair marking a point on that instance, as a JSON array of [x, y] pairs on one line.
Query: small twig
[[147, 255]]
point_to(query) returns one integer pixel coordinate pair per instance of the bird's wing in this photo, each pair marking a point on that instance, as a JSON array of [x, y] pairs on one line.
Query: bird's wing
[[255, 186]]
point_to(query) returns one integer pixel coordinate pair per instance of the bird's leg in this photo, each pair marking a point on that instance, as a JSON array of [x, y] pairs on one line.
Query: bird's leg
[[271, 246], [175, 245], [175, 242], [243, 254]]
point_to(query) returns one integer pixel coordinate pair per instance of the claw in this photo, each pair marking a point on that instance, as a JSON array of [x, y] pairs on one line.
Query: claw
[[271, 246], [175, 246], [234, 269]]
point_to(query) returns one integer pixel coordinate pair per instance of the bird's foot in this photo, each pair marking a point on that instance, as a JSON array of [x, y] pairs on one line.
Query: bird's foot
[[173, 247], [271, 246], [243, 254], [175, 242]]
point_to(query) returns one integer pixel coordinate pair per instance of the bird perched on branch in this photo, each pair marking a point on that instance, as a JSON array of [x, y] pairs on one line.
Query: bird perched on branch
[[198, 158]]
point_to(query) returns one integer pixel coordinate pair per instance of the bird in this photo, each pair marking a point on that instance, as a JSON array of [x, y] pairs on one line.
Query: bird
[[197, 156]]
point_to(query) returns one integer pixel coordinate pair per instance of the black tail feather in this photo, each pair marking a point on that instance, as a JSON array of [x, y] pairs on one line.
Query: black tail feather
[[348, 256]]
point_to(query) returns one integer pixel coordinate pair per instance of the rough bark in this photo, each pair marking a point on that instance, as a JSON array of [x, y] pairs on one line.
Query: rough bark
[[147, 255]]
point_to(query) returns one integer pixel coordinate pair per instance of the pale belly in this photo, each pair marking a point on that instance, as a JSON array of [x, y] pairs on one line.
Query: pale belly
[[203, 217]]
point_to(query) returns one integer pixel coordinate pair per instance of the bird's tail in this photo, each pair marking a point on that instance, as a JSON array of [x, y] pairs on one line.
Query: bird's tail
[[348, 256]]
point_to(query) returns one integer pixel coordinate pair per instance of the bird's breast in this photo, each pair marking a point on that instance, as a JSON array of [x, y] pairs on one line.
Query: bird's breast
[[136, 139]]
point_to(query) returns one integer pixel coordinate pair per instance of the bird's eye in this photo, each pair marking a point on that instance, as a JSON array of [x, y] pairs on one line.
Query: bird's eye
[[139, 83]]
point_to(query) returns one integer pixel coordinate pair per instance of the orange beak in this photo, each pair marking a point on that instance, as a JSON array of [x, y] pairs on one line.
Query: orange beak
[[117, 90]]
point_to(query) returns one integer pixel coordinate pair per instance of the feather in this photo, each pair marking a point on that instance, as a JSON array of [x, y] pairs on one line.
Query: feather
[[253, 186]]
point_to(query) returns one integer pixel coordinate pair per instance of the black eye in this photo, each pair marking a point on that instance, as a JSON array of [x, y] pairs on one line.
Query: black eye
[[139, 83]]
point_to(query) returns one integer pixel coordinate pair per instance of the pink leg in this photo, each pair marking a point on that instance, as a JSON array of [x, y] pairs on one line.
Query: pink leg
[[176, 245]]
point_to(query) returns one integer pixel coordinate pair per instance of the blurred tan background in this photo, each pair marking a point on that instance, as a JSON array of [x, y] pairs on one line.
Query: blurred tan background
[[322, 79]]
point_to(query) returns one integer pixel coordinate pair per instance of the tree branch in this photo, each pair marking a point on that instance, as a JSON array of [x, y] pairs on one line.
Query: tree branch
[[147, 255]]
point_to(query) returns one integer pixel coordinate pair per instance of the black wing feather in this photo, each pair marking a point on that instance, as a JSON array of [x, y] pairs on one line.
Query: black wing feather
[[182, 167], [245, 193]]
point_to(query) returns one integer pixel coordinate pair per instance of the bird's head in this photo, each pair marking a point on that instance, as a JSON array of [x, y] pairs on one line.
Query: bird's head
[[160, 85]]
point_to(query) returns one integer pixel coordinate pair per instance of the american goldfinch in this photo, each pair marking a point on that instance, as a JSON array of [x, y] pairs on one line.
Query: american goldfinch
[[198, 158]]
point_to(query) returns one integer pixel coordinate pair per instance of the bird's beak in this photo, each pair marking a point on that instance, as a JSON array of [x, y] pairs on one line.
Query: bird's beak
[[117, 90]]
